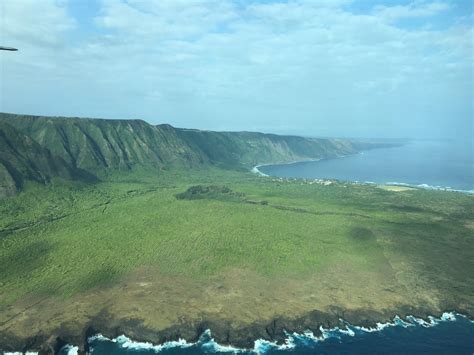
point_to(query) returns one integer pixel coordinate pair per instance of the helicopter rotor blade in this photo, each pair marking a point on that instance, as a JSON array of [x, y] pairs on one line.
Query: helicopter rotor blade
[[8, 48]]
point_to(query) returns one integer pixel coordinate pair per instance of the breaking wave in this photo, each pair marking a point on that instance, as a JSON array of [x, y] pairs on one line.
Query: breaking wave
[[295, 342], [255, 170], [429, 187]]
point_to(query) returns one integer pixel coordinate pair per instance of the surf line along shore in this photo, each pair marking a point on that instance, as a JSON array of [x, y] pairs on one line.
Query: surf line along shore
[[206, 339], [257, 171]]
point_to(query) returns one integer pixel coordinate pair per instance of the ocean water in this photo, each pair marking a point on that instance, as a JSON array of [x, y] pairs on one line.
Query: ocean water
[[429, 164], [450, 334]]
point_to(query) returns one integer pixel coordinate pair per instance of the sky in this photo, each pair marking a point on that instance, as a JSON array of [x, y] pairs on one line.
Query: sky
[[341, 68]]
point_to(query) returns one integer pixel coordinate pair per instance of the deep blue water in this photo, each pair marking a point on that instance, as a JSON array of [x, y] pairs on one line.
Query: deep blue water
[[447, 164], [453, 335]]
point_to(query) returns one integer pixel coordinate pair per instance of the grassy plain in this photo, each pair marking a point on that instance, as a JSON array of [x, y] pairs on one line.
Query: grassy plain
[[128, 250]]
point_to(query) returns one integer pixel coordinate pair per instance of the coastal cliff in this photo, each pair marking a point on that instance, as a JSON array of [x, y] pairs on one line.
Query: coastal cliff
[[85, 149]]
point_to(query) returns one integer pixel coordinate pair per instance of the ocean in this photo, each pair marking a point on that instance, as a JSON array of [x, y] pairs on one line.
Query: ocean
[[450, 334], [425, 163]]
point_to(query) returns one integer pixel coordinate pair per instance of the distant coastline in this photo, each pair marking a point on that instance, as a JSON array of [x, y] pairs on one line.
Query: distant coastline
[[257, 171], [372, 181]]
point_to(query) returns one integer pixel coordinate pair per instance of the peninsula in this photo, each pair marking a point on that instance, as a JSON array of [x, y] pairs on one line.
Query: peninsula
[[159, 233]]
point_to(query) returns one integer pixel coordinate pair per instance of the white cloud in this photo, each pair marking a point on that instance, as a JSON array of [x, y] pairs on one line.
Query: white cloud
[[35, 22], [165, 19], [232, 65], [414, 9]]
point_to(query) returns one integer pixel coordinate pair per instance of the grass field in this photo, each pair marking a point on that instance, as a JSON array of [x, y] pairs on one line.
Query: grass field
[[239, 247]]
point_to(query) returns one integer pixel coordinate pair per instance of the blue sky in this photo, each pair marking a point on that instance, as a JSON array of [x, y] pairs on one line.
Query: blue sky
[[322, 68]]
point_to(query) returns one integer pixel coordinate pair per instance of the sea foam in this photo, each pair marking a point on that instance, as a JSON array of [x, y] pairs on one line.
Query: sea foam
[[208, 345], [69, 350], [430, 187], [255, 170]]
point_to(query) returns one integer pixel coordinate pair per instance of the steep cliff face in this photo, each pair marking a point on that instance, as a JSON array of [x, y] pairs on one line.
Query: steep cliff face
[[39, 148], [93, 144], [22, 158], [248, 149]]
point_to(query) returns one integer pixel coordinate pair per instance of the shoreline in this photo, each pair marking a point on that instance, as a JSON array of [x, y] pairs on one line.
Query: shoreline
[[257, 171], [421, 186], [276, 333], [262, 345], [350, 291]]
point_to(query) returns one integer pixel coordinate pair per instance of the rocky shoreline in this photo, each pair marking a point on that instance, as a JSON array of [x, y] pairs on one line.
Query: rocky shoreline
[[223, 331]]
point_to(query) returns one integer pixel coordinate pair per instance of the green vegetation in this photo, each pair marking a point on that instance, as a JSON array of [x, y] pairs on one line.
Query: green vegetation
[[209, 192], [353, 246], [160, 248], [39, 148], [23, 159], [247, 149], [117, 226]]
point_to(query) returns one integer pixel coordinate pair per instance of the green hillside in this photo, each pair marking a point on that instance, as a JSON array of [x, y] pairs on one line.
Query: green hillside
[[248, 149], [47, 147], [23, 159], [93, 144]]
